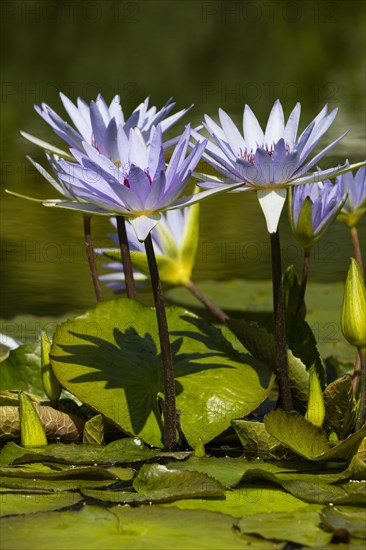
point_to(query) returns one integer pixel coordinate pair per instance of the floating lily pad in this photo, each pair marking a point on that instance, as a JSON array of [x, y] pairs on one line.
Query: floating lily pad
[[253, 298], [21, 504], [156, 483], [307, 440], [52, 486], [300, 527], [109, 358], [249, 501], [256, 440], [324, 493], [140, 528], [39, 471], [350, 518], [120, 451]]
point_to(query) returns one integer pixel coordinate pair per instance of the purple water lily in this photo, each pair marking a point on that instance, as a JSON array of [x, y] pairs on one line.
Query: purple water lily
[[313, 208], [355, 187], [97, 123], [271, 161], [140, 187], [354, 207]]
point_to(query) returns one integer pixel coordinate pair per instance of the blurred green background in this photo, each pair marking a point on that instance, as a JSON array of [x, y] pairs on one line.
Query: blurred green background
[[208, 52]]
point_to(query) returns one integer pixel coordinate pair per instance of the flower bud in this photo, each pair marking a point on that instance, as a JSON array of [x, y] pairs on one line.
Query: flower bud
[[316, 408], [51, 385], [32, 433], [353, 319]]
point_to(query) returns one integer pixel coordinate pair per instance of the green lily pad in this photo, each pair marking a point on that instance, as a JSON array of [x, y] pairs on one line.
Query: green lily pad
[[300, 527], [140, 528], [323, 493], [230, 471], [41, 472], [120, 451], [109, 358], [156, 483], [261, 344], [340, 406], [256, 440], [294, 431], [307, 440], [22, 370], [249, 501], [94, 431], [52, 486], [350, 518], [302, 343], [253, 299], [20, 504]]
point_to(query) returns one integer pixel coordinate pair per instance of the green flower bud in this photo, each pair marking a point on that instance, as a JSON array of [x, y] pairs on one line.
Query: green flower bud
[[316, 408], [353, 319], [32, 433], [51, 385]]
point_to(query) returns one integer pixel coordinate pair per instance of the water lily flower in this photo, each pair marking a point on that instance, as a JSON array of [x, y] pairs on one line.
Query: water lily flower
[[355, 187], [354, 207], [313, 208], [175, 241], [270, 161], [97, 123], [141, 187]]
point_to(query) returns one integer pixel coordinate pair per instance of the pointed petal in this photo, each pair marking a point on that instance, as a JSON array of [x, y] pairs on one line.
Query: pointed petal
[[77, 118], [253, 133], [272, 202], [143, 225], [78, 206], [156, 193], [45, 145], [292, 126], [139, 185], [156, 161], [170, 120], [138, 151], [103, 109], [317, 133], [50, 179], [192, 199], [233, 136], [320, 155], [275, 125], [99, 128]]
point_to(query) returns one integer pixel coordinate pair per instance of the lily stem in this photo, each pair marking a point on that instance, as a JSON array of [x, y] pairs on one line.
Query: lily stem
[[357, 248], [361, 414], [285, 398], [170, 415], [91, 258], [304, 280], [205, 300], [126, 257]]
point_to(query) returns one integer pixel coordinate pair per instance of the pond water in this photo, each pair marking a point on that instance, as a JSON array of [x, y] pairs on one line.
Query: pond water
[[208, 53]]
